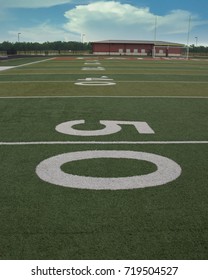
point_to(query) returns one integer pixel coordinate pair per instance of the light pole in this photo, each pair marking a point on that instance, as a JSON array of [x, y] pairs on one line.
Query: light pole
[[188, 35], [196, 38], [83, 38], [18, 35], [155, 37]]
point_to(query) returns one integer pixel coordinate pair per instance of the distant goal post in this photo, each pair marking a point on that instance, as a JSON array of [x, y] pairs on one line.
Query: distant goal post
[[170, 51]]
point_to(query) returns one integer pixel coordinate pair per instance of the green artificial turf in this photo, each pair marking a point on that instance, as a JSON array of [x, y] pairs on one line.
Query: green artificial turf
[[39, 220], [43, 221], [132, 77]]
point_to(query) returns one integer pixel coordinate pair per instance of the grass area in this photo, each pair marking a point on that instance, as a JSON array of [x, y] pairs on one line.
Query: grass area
[[20, 61], [36, 119], [54, 77], [40, 220]]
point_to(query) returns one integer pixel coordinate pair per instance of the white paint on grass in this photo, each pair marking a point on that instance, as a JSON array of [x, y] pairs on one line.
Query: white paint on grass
[[35, 62], [92, 63], [102, 81], [93, 68], [50, 171], [3, 68], [95, 83], [116, 58], [139, 82], [103, 143], [111, 127], [101, 96]]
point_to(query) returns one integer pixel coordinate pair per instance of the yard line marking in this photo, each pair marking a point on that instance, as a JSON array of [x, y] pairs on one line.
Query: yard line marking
[[64, 81], [26, 82], [101, 96], [172, 82], [101, 143]]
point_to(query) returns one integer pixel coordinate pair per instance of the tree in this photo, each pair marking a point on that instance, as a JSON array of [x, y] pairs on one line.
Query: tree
[[46, 46]]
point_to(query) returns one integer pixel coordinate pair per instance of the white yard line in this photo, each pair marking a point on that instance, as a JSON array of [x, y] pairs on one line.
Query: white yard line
[[110, 96], [64, 81], [30, 82], [102, 143], [167, 82]]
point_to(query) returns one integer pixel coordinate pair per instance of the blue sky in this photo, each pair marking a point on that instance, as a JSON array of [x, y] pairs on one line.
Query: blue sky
[[65, 20]]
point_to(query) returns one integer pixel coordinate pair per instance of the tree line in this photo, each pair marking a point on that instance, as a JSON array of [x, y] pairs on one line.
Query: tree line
[[72, 46], [46, 46], [198, 49]]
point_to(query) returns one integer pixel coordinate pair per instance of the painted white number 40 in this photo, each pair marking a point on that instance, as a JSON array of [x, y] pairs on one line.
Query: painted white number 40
[[111, 127]]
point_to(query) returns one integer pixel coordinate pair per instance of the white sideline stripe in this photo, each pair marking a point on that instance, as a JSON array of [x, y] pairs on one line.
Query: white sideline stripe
[[3, 68], [172, 82], [34, 62], [102, 143], [17, 66], [101, 96], [64, 81]]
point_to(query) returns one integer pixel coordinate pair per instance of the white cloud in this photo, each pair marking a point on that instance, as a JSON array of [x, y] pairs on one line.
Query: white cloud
[[113, 20], [31, 3], [42, 33], [103, 20]]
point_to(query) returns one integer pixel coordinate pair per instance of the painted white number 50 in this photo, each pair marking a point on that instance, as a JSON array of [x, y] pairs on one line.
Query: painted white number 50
[[111, 127]]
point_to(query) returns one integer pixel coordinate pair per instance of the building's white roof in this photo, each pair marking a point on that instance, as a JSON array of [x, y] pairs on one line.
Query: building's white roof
[[157, 43]]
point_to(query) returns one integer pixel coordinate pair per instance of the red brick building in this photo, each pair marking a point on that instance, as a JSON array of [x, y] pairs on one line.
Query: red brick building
[[138, 47]]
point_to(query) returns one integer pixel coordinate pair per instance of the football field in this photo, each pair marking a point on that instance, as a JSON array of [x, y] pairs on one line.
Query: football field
[[103, 158]]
